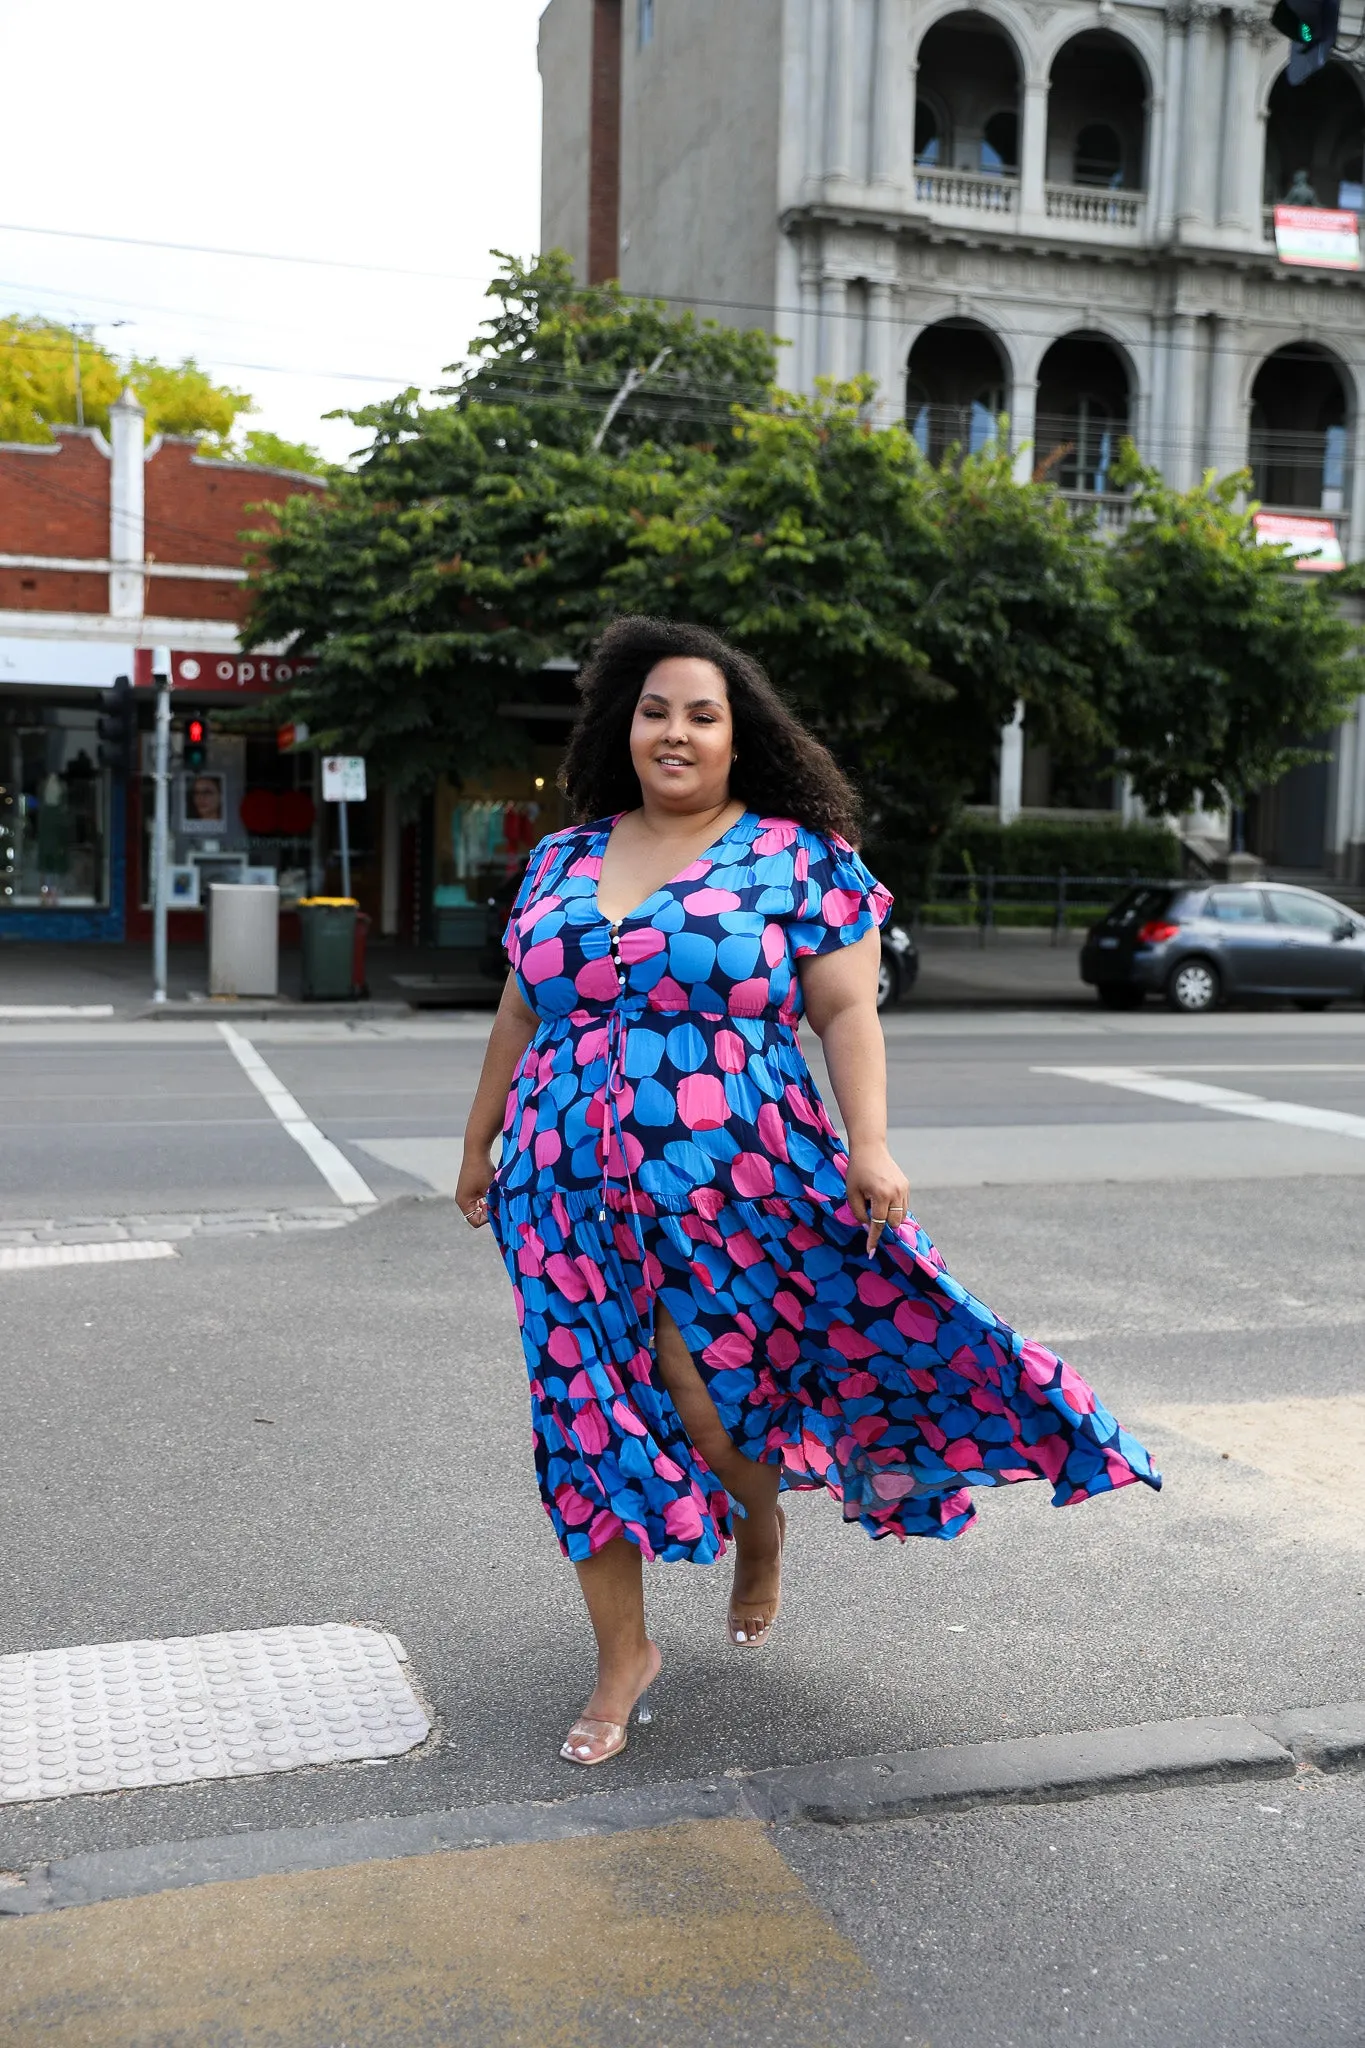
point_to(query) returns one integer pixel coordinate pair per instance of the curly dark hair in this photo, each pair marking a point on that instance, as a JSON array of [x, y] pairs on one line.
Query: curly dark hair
[[782, 771]]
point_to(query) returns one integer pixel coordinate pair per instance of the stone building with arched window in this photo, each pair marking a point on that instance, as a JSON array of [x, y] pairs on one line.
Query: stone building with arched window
[[1055, 210]]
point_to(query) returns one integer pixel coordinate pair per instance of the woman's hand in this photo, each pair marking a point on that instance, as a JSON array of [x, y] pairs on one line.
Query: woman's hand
[[471, 1189], [878, 1192]]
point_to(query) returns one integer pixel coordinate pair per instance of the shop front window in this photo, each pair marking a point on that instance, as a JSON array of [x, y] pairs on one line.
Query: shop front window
[[53, 814], [482, 844]]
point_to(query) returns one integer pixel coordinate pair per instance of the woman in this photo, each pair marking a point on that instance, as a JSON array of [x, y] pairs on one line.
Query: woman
[[716, 1300]]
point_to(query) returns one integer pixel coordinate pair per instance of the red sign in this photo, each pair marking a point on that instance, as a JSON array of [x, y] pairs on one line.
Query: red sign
[[1317, 237], [1314, 543], [245, 675]]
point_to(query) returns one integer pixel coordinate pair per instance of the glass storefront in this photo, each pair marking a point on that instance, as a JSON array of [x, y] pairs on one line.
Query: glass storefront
[[54, 810], [483, 837]]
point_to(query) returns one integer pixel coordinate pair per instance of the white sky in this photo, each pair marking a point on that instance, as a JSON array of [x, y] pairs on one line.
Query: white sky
[[403, 133]]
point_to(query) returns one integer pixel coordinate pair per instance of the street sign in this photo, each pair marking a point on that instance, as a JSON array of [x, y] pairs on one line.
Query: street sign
[[343, 779]]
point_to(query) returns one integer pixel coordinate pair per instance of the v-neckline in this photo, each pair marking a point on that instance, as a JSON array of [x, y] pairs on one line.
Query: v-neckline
[[615, 923]]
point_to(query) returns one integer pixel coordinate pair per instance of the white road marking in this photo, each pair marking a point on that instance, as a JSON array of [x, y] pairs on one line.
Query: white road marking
[[1204, 1095], [335, 1168], [25, 1013], [1250, 1067], [109, 1716], [1062, 1154], [18, 1258]]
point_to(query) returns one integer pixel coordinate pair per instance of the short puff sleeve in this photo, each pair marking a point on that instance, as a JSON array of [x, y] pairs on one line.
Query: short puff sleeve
[[837, 901]]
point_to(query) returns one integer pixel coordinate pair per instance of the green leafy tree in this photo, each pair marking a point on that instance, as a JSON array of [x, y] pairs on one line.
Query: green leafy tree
[[40, 361], [1232, 660], [272, 451], [903, 607], [471, 543], [566, 355]]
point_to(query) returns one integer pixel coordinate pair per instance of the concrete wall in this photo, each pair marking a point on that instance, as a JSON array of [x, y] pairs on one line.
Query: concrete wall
[[566, 81], [699, 155]]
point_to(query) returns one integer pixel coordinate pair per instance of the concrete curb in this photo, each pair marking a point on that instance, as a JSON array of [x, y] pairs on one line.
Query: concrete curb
[[1032, 1770]]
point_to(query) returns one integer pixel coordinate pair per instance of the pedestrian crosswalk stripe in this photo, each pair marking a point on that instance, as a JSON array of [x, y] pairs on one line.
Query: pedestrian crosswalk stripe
[[111, 1717], [1204, 1095], [336, 1169], [17, 1258]]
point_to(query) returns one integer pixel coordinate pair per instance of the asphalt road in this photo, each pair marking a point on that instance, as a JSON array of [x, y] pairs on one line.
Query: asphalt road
[[331, 1426]]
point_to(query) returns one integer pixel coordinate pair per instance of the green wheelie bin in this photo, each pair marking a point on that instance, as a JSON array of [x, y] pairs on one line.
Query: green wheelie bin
[[327, 928]]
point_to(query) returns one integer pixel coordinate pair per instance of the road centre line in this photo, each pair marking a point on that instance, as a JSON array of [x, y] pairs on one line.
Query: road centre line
[[1202, 1095], [335, 1168]]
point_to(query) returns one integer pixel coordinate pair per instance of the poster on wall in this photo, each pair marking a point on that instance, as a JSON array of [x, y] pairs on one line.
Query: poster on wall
[[202, 803], [1314, 543], [1317, 237]]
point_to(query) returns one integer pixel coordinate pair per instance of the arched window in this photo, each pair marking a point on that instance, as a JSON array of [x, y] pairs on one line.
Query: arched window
[[1098, 158], [1300, 431], [1000, 142], [929, 138]]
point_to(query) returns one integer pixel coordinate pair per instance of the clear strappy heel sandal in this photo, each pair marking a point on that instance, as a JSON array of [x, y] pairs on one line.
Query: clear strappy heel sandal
[[592, 1741], [742, 1638]]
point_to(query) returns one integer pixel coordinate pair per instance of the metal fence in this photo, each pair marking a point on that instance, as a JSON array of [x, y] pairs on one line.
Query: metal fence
[[1054, 903]]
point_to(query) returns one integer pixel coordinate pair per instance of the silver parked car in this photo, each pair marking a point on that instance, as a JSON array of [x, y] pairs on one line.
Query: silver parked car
[[1200, 943]]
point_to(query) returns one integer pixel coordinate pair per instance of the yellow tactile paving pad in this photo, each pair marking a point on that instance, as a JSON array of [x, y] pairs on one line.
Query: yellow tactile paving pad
[[668, 1937]]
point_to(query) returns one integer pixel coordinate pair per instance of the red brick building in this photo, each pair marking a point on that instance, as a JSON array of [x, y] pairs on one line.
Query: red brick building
[[110, 548]]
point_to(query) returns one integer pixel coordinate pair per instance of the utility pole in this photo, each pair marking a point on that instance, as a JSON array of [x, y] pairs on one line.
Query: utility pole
[[161, 674]]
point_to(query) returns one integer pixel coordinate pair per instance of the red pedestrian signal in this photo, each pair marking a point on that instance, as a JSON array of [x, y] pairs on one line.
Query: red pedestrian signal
[[196, 743]]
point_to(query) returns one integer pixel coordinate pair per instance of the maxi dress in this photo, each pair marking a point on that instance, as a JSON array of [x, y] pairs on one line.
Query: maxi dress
[[665, 1141]]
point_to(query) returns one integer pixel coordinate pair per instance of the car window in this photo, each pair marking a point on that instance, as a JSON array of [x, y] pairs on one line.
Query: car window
[[1305, 910], [1137, 906], [1236, 906]]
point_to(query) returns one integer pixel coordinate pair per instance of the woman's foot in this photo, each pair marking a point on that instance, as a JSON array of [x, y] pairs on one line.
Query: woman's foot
[[599, 1733], [756, 1595]]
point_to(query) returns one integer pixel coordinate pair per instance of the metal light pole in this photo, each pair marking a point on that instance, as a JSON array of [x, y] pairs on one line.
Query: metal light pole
[[344, 833], [161, 668]]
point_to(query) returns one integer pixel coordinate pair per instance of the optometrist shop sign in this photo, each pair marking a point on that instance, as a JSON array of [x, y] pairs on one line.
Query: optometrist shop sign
[[238, 675], [1317, 237]]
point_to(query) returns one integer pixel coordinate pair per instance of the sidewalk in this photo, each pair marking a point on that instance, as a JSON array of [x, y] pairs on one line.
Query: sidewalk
[[1014, 967], [119, 979]]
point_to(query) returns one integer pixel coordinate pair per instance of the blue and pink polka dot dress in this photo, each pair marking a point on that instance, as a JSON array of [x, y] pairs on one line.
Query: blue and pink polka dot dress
[[665, 1141]]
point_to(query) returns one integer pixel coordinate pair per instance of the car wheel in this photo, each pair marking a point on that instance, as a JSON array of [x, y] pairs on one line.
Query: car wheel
[[1312, 1002], [888, 984], [1116, 996], [1194, 986]]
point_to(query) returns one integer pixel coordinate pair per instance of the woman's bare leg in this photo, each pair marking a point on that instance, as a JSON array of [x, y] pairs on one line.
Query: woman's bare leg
[[627, 1662], [758, 1563]]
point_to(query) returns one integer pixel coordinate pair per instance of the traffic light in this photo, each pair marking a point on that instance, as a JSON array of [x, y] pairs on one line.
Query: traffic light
[[1311, 26], [196, 743], [118, 730]]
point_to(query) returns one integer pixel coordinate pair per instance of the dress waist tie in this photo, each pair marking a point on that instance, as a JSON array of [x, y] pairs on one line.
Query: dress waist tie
[[614, 1087]]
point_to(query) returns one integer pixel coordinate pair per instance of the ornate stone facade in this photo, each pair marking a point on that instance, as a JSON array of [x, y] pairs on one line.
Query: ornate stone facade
[[1055, 209]]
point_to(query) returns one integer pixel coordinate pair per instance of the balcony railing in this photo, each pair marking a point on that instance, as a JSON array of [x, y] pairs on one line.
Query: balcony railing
[[969, 191], [1110, 510], [1095, 207]]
